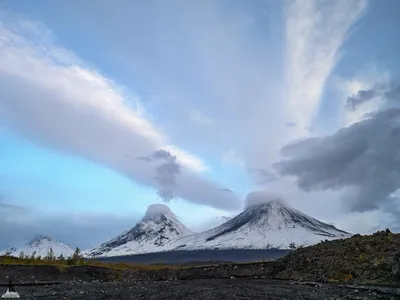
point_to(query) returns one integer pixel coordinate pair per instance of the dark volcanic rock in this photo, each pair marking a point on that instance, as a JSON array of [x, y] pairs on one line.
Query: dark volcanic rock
[[254, 270], [43, 273], [371, 258], [396, 266], [220, 289], [198, 257]]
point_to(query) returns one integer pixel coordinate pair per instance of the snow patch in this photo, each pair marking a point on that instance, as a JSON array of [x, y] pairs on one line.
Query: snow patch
[[155, 210], [262, 197]]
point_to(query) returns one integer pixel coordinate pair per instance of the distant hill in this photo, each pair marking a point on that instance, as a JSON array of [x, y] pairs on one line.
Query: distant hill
[[40, 246]]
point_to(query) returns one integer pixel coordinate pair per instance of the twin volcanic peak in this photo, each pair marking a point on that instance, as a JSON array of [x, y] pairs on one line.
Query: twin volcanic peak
[[267, 222], [156, 232]]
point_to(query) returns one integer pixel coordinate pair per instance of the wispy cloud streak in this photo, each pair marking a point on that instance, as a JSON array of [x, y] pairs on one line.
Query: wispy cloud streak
[[315, 33]]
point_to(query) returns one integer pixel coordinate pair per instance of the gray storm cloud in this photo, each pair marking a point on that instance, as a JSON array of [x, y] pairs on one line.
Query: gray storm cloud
[[363, 158], [360, 98], [163, 154], [166, 173], [389, 92], [167, 169], [263, 176]]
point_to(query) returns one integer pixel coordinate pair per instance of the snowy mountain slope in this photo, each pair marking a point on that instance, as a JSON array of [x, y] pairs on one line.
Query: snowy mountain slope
[[154, 233], [41, 245], [263, 224]]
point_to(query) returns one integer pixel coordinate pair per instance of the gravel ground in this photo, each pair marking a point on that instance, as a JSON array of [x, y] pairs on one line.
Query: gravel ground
[[207, 290]]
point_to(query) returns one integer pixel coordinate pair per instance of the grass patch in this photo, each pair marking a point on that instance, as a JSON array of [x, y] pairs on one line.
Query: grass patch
[[62, 265]]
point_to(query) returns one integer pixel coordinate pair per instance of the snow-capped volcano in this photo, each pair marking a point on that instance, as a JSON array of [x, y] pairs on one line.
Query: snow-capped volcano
[[156, 232], [40, 246], [265, 223]]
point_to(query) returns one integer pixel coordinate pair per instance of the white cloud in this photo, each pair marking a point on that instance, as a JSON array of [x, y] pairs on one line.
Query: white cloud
[[54, 100], [315, 33]]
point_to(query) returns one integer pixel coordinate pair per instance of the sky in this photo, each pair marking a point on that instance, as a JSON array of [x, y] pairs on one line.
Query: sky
[[107, 107]]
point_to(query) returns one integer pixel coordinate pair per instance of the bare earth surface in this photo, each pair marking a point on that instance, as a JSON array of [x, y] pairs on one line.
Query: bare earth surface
[[356, 260], [207, 289]]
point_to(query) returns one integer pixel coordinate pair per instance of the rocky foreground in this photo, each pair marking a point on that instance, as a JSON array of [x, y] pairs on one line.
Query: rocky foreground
[[370, 258], [208, 290], [328, 270]]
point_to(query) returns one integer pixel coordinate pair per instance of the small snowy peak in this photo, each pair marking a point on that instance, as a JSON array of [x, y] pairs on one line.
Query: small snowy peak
[[156, 232], [39, 239], [40, 246]]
